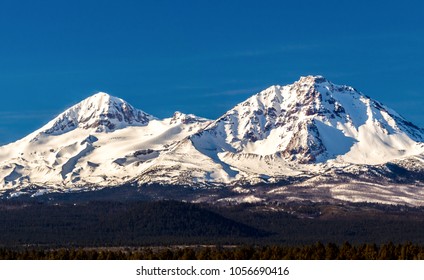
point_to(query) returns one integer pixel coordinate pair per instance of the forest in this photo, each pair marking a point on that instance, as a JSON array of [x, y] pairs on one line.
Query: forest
[[178, 230], [316, 251]]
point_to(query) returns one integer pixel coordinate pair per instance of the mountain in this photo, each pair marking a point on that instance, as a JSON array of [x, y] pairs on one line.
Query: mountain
[[101, 112], [313, 121], [100, 141], [292, 130], [310, 140]]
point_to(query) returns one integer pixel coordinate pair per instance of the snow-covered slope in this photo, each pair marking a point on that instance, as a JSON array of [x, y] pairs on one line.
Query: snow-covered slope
[[292, 130], [307, 134], [100, 141], [313, 121]]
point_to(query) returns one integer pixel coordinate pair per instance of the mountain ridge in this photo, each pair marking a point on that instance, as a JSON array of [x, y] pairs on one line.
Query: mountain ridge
[[309, 129]]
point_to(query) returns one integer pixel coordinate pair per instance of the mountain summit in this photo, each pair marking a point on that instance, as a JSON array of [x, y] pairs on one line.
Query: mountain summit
[[100, 112], [311, 129], [314, 135], [312, 121], [101, 141]]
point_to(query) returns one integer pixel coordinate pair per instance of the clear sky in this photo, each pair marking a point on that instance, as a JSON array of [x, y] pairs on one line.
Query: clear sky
[[199, 56]]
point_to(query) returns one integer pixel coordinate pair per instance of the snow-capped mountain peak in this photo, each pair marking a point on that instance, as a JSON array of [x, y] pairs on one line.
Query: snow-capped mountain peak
[[312, 80], [179, 117], [312, 121], [100, 112], [100, 141]]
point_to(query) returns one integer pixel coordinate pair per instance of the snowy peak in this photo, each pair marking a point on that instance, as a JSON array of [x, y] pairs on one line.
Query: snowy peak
[[312, 121], [181, 118], [73, 150], [100, 112], [315, 95], [311, 80]]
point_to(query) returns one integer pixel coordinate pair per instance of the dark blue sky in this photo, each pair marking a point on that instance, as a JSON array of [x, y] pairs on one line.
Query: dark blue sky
[[201, 57]]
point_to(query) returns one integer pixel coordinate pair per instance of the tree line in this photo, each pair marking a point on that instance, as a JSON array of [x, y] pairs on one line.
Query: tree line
[[317, 251]]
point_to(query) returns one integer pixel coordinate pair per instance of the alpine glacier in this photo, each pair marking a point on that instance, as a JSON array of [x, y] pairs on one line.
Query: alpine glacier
[[311, 140]]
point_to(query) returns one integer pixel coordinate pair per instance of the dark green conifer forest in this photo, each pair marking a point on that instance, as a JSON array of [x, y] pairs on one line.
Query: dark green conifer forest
[[178, 230], [316, 251]]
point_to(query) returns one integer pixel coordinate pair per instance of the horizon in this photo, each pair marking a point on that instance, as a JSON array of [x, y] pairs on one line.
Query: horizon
[[201, 57]]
